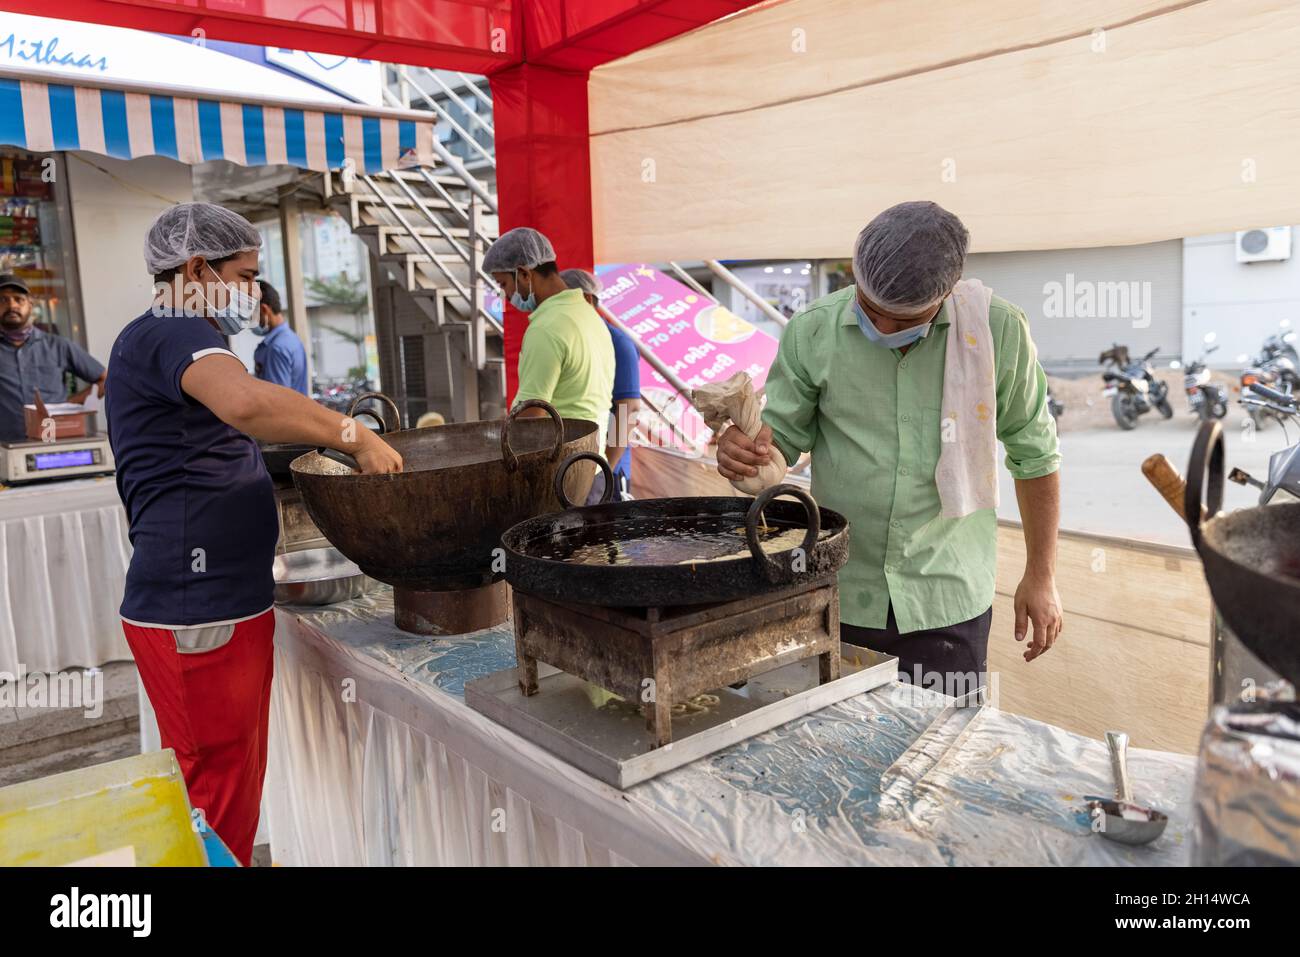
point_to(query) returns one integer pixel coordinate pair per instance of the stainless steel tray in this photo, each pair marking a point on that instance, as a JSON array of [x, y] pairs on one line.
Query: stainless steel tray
[[317, 576], [611, 743]]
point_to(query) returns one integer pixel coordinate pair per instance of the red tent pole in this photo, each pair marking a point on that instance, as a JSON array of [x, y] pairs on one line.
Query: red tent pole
[[543, 172]]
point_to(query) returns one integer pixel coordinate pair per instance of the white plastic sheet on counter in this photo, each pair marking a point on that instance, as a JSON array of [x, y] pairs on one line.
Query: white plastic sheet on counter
[[1248, 789], [376, 759]]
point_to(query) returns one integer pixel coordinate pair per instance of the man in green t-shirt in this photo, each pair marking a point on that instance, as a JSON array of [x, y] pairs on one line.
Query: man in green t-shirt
[[567, 358], [859, 381]]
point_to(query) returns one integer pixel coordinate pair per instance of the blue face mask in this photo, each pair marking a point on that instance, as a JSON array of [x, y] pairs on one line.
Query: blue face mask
[[520, 303], [240, 309], [258, 331], [892, 340]]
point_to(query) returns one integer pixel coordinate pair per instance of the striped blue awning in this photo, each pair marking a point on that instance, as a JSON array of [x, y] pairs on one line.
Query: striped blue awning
[[42, 116]]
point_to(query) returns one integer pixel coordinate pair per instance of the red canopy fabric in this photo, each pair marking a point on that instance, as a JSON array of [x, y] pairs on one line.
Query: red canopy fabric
[[543, 173], [478, 36], [582, 34]]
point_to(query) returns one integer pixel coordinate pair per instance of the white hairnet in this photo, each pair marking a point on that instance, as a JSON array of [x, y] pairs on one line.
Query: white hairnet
[[196, 229], [909, 257], [520, 248], [581, 279]]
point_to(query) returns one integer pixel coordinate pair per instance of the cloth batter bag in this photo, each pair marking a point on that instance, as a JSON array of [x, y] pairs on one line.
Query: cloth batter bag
[[734, 401], [967, 475]]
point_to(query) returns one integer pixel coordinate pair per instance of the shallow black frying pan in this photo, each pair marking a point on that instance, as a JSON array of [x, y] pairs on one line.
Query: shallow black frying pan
[[643, 553]]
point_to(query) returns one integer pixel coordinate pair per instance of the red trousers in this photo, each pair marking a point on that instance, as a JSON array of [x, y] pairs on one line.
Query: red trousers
[[213, 707]]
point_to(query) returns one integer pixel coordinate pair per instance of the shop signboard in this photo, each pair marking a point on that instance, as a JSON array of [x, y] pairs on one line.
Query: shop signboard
[[67, 50], [358, 80], [700, 341]]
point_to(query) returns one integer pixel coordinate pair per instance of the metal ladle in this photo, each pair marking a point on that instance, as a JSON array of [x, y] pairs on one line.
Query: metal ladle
[[1122, 820]]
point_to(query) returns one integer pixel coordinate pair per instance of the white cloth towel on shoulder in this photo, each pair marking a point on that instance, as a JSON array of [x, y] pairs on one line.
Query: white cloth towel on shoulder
[[967, 474]]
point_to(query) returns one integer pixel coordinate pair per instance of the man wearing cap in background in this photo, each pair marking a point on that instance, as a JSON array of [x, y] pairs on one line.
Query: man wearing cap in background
[[567, 358], [280, 356], [183, 416], [627, 389], [32, 361], [901, 386]]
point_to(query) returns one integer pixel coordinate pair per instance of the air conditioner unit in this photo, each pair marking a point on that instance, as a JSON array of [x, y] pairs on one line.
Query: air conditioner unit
[[1264, 245]]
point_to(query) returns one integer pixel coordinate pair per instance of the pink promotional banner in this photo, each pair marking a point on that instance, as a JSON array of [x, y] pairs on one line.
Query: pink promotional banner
[[700, 341]]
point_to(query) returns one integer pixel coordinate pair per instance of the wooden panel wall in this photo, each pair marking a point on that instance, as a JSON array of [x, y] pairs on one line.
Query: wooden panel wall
[[1135, 652]]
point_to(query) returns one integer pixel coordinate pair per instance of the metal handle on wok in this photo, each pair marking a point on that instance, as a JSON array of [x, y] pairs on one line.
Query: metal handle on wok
[[1204, 474], [397, 415], [334, 455], [563, 470], [383, 426], [772, 569], [508, 455]]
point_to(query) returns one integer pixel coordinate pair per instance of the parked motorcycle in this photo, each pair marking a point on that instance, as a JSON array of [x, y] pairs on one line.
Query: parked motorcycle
[[1277, 367], [1204, 398], [1132, 387], [1284, 465], [1281, 344], [338, 394]]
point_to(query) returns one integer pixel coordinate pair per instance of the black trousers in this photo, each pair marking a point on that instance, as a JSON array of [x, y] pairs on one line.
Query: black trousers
[[955, 652]]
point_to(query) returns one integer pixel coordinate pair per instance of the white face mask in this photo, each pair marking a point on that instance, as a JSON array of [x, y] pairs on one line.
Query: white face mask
[[890, 340], [240, 310], [519, 302]]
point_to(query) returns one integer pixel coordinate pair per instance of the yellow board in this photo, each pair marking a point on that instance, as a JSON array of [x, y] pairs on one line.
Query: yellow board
[[139, 803]]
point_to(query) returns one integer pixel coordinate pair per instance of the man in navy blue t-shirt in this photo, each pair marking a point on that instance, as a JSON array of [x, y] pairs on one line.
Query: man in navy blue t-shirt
[[183, 413], [627, 389]]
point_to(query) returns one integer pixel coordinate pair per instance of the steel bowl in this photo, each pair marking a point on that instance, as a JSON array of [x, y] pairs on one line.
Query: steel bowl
[[436, 525], [316, 576]]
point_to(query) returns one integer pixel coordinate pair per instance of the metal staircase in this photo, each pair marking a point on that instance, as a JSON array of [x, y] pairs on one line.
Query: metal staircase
[[426, 229]]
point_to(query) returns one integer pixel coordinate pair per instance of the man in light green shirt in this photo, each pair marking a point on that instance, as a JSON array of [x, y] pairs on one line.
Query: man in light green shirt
[[858, 382], [567, 357]]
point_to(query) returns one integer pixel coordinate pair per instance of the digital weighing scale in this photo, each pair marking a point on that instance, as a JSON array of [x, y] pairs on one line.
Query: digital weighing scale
[[31, 460]]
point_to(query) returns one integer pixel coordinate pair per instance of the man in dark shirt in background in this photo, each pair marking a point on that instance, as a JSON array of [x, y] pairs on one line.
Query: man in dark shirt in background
[[32, 360], [280, 356]]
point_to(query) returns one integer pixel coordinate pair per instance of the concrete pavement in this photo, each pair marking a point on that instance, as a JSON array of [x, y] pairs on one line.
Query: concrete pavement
[[1104, 491]]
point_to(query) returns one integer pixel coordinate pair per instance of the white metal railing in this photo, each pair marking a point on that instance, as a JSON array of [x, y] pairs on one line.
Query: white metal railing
[[485, 97], [443, 194], [470, 112], [689, 280], [736, 283], [410, 86], [415, 83], [467, 215], [662, 368], [471, 294]]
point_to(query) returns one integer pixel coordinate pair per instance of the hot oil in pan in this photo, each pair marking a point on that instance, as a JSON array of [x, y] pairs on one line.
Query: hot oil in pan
[[675, 541]]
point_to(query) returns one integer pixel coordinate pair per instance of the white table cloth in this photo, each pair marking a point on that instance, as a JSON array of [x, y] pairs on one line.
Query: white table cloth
[[376, 759], [64, 552]]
